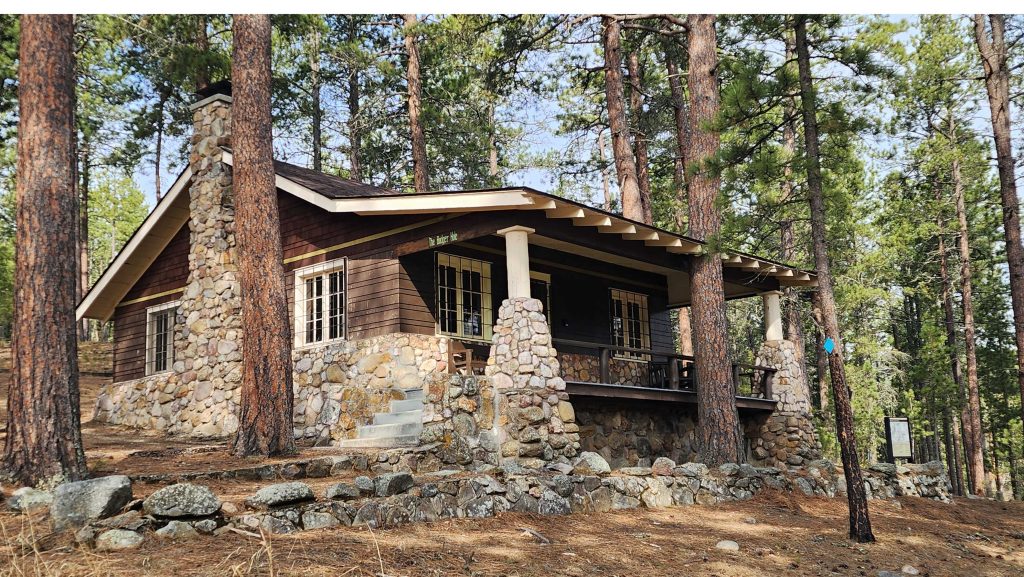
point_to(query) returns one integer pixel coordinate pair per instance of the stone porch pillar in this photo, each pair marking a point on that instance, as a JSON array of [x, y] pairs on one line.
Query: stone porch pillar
[[517, 260], [535, 421]]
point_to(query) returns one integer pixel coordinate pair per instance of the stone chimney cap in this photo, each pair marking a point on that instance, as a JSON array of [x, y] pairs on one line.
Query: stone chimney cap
[[217, 91]]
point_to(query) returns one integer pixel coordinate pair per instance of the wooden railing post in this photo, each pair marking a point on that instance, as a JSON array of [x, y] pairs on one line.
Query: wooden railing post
[[673, 374], [605, 372]]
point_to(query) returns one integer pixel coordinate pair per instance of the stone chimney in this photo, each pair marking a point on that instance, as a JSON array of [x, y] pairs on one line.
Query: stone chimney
[[208, 335]]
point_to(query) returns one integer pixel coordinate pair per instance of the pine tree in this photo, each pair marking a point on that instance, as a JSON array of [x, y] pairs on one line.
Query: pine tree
[[265, 418], [43, 433]]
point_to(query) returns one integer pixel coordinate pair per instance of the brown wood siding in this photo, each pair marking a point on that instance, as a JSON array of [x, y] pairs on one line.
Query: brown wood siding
[[169, 272]]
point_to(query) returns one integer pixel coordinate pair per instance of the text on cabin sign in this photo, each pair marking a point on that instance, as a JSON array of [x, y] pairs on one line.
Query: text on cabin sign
[[442, 239]]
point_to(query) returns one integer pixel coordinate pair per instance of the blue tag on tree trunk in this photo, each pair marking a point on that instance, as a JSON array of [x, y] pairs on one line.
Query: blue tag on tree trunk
[[829, 346]]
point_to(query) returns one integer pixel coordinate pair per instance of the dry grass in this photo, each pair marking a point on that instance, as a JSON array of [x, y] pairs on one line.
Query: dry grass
[[791, 536]]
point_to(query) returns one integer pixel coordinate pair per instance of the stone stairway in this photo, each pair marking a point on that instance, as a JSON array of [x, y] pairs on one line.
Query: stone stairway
[[399, 427]]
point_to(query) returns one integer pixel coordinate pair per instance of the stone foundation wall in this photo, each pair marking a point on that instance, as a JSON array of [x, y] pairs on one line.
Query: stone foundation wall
[[338, 387], [536, 421], [630, 436], [587, 369], [460, 423]]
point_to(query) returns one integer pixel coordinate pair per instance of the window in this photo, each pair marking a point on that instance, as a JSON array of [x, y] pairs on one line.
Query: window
[[631, 325], [160, 337], [540, 289], [463, 297], [320, 303]]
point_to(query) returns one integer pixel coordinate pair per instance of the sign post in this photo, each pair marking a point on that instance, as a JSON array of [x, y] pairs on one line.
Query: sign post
[[898, 440]]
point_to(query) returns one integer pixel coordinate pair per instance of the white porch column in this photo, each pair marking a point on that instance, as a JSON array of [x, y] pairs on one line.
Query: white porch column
[[517, 257], [772, 316]]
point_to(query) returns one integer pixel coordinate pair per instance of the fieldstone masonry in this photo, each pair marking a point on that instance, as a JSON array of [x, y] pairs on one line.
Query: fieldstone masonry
[[536, 421], [787, 437]]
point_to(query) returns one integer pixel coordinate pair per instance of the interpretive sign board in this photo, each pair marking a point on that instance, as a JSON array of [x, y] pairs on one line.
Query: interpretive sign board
[[899, 442]]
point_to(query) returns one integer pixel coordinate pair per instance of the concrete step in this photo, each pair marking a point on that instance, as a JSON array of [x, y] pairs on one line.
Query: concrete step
[[406, 405], [414, 394], [400, 417], [389, 430], [381, 443]]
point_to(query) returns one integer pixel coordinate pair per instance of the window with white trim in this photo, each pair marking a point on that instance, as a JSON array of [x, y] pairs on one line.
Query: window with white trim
[[160, 337], [540, 289], [463, 288], [631, 323], [320, 303]]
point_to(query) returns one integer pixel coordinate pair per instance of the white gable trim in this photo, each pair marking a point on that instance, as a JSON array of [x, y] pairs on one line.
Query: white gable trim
[[107, 286]]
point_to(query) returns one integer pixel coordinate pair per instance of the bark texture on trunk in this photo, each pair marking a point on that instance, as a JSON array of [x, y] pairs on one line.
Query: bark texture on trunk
[[83, 233], [636, 106], [622, 151], [265, 418], [972, 411], [203, 48], [860, 523], [606, 186], [719, 438], [420, 174], [354, 123], [997, 85], [949, 318], [680, 114], [317, 112], [43, 423]]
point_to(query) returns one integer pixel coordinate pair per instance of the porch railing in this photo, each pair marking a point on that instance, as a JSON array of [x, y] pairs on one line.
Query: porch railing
[[672, 370]]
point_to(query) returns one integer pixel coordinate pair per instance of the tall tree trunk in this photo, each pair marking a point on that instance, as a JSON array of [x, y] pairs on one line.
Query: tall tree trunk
[[860, 523], [622, 151], [949, 318], [158, 157], [997, 85], [265, 417], [421, 175], [820, 360], [679, 114], [636, 105], [972, 411], [44, 439], [202, 41], [794, 325], [315, 89], [719, 439], [354, 124], [606, 187], [492, 144], [83, 234]]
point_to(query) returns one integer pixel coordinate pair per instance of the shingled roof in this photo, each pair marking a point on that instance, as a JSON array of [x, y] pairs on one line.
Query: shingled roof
[[329, 185]]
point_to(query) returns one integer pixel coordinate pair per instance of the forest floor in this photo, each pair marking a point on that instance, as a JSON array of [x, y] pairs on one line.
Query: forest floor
[[778, 534]]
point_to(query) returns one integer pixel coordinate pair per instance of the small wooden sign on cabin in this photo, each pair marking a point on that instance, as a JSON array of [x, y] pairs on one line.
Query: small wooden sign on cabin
[[898, 440]]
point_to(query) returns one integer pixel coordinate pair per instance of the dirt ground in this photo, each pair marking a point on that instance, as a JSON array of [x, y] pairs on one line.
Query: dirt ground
[[778, 534]]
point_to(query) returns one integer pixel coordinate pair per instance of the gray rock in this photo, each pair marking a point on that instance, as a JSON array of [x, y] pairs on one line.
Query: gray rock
[[910, 570], [75, 504], [272, 524], [281, 494], [657, 494], [552, 503], [663, 466], [342, 491], [590, 463], [620, 501], [368, 514], [205, 526], [729, 469], [27, 499], [364, 483], [727, 545], [480, 507], [131, 520], [804, 485], [692, 470], [118, 540], [889, 574], [182, 500], [563, 468], [177, 530], [318, 520], [392, 484], [636, 471]]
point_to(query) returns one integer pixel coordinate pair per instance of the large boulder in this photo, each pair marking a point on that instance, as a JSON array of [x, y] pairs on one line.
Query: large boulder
[[281, 494], [27, 499], [77, 503], [177, 530], [182, 500], [590, 463]]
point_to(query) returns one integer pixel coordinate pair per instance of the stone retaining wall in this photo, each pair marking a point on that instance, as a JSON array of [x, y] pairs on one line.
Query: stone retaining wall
[[460, 423], [587, 369], [338, 387]]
